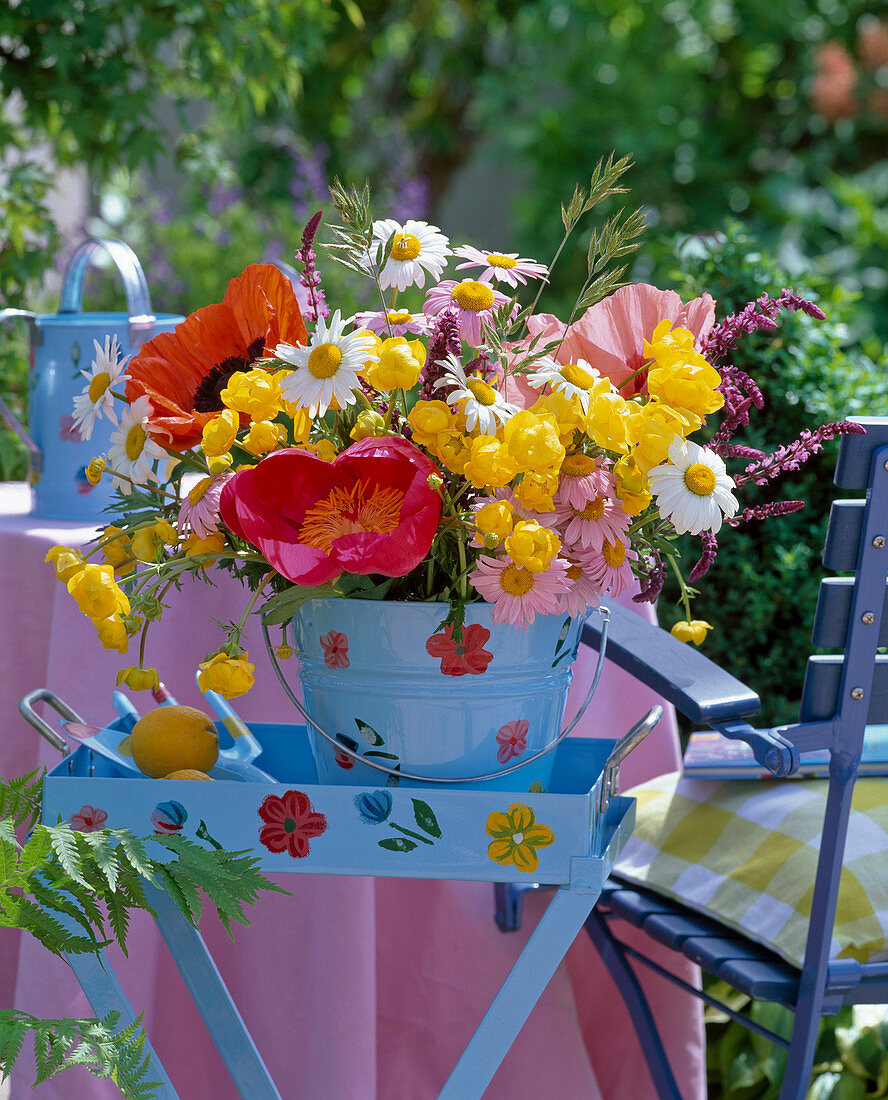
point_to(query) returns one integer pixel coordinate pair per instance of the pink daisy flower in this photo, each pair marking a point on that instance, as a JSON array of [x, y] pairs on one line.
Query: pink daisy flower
[[585, 589], [200, 508], [602, 518], [518, 594], [512, 740], [399, 321], [612, 565], [582, 479], [503, 267], [473, 301]]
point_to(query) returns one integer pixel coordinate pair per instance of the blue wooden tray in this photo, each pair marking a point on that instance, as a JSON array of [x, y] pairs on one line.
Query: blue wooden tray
[[299, 825]]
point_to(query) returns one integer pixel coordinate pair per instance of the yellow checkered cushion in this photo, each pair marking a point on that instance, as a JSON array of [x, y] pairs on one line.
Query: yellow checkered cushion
[[745, 852]]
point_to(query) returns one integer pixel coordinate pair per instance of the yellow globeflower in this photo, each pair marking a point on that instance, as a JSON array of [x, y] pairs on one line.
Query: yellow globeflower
[[532, 546], [533, 443], [324, 449], [94, 590], [632, 488], [568, 411], [264, 436], [112, 633], [495, 518], [194, 545], [429, 419], [139, 679], [67, 562], [397, 367], [230, 676], [608, 421], [147, 541], [253, 392], [117, 550], [454, 450], [535, 491], [489, 463], [688, 383], [658, 425], [220, 433], [692, 630], [666, 340], [368, 424], [219, 464]]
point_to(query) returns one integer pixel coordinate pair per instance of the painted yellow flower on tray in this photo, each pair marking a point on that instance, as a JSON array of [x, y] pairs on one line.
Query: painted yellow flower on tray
[[516, 837]]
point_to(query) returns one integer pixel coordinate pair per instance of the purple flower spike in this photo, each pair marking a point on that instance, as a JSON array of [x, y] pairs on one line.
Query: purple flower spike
[[310, 277], [767, 511], [758, 315], [444, 339], [652, 584], [792, 456], [707, 557]]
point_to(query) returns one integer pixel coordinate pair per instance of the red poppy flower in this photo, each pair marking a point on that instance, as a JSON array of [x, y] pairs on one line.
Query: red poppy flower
[[183, 372], [512, 740], [469, 656], [88, 819], [335, 649], [290, 823], [369, 511]]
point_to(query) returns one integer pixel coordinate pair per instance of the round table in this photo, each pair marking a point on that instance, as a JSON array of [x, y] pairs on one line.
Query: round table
[[353, 988]]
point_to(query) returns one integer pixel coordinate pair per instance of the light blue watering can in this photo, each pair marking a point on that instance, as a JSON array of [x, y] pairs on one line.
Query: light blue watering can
[[62, 346]]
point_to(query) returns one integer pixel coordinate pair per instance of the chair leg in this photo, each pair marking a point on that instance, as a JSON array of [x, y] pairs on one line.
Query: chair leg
[[633, 995], [805, 1029]]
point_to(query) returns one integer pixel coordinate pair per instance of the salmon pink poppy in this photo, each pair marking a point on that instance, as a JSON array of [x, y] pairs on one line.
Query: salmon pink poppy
[[183, 372], [465, 657], [290, 823], [371, 510]]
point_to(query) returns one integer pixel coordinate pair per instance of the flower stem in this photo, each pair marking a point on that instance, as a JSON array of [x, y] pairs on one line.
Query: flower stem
[[409, 832], [685, 597]]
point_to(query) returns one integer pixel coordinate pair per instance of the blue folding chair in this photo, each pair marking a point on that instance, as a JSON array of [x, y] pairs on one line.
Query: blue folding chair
[[841, 695]]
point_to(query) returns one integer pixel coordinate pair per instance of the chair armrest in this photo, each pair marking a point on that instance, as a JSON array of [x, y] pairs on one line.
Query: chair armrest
[[696, 686]]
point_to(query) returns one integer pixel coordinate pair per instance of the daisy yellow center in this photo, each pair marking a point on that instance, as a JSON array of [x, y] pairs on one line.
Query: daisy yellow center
[[98, 386], [324, 360], [135, 442], [515, 581], [576, 376], [700, 479], [199, 491], [593, 510], [399, 317], [483, 394], [472, 295], [406, 247], [496, 259], [351, 511], [614, 553], [578, 465], [574, 572]]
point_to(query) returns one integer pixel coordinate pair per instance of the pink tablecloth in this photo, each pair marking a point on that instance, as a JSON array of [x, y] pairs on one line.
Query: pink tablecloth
[[352, 988]]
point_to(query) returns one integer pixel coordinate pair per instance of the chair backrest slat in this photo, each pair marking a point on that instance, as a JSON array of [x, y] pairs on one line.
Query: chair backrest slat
[[843, 535], [856, 452], [833, 610], [820, 692]]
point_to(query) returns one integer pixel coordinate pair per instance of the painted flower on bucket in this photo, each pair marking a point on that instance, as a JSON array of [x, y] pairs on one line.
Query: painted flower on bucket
[[335, 646], [512, 740], [467, 657]]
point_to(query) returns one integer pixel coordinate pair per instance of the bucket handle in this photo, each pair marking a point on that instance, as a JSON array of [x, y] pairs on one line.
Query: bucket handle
[[138, 299], [340, 747], [26, 706]]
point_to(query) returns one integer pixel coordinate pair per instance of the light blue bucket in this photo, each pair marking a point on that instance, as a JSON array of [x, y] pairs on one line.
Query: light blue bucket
[[390, 686]]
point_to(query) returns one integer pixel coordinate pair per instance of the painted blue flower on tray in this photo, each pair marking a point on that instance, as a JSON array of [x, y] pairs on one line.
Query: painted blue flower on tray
[[375, 807]]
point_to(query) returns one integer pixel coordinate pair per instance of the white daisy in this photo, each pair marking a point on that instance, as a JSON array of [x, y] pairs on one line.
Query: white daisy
[[96, 399], [327, 368], [693, 488], [133, 448], [484, 406], [417, 247], [570, 379]]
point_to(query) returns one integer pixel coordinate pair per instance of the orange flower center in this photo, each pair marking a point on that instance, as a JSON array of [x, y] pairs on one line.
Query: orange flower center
[[516, 581], [351, 511], [614, 553], [578, 465], [593, 510], [472, 295], [406, 247], [98, 386], [496, 259]]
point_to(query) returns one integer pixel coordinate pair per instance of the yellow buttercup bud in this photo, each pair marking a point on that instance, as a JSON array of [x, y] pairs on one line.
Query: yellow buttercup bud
[[495, 518], [95, 469], [139, 679], [369, 423], [692, 630], [428, 419], [264, 436], [194, 545], [230, 676], [112, 633], [94, 590], [219, 464], [220, 433], [254, 392]]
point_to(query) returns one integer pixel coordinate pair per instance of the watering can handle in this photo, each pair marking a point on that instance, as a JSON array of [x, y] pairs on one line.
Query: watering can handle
[[138, 300]]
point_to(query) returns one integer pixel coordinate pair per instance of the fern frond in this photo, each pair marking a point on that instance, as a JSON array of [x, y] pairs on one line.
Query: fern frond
[[22, 797], [64, 843], [55, 901], [135, 852], [104, 855]]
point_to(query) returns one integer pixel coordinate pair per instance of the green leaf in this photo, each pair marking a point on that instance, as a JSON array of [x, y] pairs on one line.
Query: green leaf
[[397, 844], [369, 733], [284, 605], [64, 843], [425, 817]]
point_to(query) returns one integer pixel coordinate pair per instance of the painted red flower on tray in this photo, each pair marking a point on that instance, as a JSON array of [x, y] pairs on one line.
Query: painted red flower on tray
[[512, 740], [290, 823], [468, 656], [88, 819], [335, 649]]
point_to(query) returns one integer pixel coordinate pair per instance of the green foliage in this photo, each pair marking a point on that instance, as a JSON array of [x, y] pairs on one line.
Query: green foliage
[[97, 1045], [761, 593]]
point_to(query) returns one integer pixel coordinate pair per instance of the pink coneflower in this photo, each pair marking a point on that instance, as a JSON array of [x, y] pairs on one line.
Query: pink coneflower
[[200, 509], [394, 322], [613, 566], [500, 267], [602, 518], [585, 589], [582, 479], [518, 594], [473, 301]]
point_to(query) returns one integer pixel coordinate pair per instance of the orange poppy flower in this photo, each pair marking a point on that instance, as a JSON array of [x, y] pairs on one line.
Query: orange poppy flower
[[183, 372]]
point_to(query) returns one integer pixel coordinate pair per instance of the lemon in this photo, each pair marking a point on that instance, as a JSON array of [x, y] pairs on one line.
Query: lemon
[[173, 739], [189, 773]]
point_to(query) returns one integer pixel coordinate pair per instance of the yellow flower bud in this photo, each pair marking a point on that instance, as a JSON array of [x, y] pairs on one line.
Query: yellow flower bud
[[94, 590], [95, 468], [495, 518], [535, 491], [284, 652], [632, 487], [194, 545], [67, 562], [607, 422], [429, 419], [220, 433], [532, 546], [369, 423], [117, 550], [139, 679], [264, 436], [324, 449], [453, 448], [219, 464], [112, 633], [230, 676], [693, 630], [533, 443]]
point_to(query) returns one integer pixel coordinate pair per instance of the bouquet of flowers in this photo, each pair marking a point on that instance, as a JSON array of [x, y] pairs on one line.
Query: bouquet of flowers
[[453, 445]]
